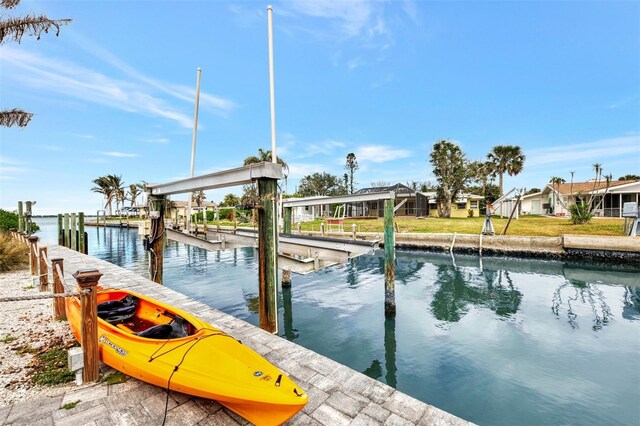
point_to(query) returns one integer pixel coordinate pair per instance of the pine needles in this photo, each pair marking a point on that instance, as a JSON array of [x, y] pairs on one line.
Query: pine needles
[[15, 28], [14, 116]]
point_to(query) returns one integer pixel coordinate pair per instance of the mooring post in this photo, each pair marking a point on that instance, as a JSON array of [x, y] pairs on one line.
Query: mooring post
[[286, 220], [60, 232], [81, 240], [322, 229], [67, 234], [87, 279], [389, 258], [44, 267], [33, 254], [268, 254], [27, 217], [57, 269], [74, 232], [299, 226], [20, 217], [156, 237], [353, 231], [286, 278]]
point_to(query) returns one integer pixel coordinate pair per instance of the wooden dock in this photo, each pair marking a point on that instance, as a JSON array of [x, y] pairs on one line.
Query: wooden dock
[[338, 395]]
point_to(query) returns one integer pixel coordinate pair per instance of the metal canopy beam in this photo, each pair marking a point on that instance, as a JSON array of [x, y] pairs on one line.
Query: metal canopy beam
[[354, 198], [232, 177]]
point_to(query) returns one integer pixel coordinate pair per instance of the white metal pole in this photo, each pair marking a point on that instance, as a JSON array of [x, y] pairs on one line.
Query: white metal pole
[[193, 147], [274, 157]]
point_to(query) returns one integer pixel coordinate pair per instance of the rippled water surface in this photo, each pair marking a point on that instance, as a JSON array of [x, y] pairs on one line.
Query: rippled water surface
[[492, 340]]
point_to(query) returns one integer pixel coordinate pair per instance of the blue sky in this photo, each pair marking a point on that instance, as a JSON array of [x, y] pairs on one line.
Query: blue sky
[[114, 93]]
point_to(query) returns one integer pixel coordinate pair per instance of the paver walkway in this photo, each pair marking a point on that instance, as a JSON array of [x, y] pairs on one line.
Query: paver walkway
[[338, 395]]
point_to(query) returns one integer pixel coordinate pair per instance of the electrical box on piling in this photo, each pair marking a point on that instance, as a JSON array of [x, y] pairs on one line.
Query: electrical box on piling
[[631, 211]]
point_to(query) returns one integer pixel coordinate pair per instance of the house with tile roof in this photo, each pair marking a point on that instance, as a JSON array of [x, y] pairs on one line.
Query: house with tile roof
[[608, 198]]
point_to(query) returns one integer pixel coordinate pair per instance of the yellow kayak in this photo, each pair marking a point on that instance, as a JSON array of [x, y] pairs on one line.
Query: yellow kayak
[[148, 340]]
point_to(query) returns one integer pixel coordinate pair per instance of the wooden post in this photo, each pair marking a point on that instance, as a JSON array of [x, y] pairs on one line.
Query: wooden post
[[87, 279], [286, 220], [20, 217], [389, 258], [353, 231], [33, 254], [81, 241], [60, 231], [74, 233], [268, 254], [156, 237], [58, 287], [322, 229], [44, 267], [27, 217], [66, 230], [286, 278]]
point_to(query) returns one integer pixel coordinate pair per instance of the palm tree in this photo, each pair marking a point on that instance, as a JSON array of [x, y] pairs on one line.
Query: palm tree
[[133, 193], [266, 156], [506, 159], [117, 189], [198, 197], [103, 187]]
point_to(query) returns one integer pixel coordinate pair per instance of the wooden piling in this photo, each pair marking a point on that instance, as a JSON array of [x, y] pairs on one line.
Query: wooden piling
[[27, 217], [389, 258], [67, 235], [353, 231], [87, 279], [286, 278], [268, 254], [81, 236], [156, 237], [322, 229], [20, 217], [44, 267], [286, 220], [33, 254], [74, 233], [57, 269], [60, 231]]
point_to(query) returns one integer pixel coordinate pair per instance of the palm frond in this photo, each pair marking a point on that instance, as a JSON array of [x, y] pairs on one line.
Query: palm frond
[[9, 4], [15, 28], [10, 117]]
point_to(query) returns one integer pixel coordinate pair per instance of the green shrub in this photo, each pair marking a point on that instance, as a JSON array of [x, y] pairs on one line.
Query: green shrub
[[580, 213], [9, 220], [13, 254]]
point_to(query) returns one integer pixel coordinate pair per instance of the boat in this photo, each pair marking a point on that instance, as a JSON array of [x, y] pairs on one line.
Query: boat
[[168, 347]]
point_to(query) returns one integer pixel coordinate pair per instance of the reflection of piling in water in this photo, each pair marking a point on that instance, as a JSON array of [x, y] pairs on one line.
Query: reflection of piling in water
[[390, 351]]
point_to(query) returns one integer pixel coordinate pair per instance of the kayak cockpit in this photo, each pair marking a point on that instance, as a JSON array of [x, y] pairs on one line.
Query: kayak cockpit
[[139, 317]]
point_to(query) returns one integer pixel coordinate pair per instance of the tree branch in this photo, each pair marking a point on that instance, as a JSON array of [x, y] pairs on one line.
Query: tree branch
[[15, 28], [9, 117], [9, 4]]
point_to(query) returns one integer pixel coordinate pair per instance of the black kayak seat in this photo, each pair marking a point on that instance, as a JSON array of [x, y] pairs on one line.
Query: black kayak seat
[[115, 311], [160, 331]]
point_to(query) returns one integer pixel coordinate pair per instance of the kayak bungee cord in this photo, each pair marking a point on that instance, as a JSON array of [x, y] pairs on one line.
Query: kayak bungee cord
[[195, 341]]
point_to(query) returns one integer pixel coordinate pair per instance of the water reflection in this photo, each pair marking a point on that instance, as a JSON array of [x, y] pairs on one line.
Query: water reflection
[[580, 292], [460, 288]]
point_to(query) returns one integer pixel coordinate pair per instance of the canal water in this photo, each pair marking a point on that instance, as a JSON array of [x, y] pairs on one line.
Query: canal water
[[494, 340]]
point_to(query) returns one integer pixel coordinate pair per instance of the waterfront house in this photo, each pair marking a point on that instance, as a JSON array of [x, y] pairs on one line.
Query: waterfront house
[[608, 199], [179, 208]]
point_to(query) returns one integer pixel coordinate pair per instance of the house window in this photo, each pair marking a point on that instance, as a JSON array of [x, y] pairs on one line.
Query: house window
[[474, 204], [461, 206]]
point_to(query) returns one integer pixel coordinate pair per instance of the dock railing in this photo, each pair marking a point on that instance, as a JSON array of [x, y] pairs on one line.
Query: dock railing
[[87, 280]]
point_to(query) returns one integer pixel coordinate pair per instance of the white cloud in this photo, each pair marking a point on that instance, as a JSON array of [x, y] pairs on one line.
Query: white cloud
[[158, 140], [300, 170], [585, 152], [352, 17], [69, 79], [379, 153], [119, 154]]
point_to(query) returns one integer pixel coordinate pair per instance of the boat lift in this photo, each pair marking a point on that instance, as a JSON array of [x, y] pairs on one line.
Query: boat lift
[[631, 211], [500, 203]]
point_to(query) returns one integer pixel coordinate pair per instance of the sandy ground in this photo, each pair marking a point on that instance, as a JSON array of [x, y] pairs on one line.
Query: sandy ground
[[30, 323]]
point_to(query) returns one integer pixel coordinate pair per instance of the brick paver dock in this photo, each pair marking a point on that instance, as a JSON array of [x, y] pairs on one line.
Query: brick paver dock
[[338, 395]]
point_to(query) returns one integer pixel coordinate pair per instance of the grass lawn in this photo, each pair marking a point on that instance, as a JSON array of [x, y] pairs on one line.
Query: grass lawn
[[526, 225]]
